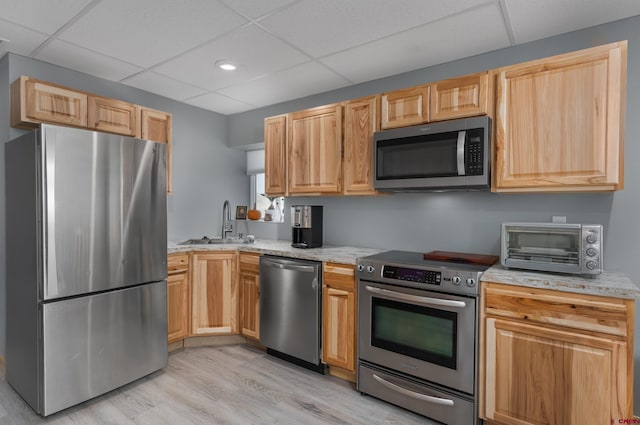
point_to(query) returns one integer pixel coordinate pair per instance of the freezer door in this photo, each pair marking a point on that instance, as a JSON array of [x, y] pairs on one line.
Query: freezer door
[[96, 343], [105, 211]]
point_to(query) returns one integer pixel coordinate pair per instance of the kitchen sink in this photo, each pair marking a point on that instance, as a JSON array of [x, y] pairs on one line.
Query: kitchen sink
[[213, 241]]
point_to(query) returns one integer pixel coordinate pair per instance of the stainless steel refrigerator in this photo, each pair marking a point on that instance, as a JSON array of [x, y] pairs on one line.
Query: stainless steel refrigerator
[[86, 264]]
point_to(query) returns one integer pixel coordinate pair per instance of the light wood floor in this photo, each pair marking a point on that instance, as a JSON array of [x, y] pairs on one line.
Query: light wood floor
[[221, 385]]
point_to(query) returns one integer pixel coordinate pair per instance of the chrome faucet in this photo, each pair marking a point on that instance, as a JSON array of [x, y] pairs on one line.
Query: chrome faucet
[[227, 227]]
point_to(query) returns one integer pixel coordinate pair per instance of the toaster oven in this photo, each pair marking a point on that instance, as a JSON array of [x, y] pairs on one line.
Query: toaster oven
[[553, 247]]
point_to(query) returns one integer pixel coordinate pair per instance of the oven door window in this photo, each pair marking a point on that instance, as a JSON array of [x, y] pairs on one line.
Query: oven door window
[[416, 331]]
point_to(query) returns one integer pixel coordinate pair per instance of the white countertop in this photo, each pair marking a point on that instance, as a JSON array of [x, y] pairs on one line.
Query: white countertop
[[608, 284], [334, 254]]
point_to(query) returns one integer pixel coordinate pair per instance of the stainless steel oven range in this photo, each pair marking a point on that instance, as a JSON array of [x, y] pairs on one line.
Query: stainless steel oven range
[[418, 329]]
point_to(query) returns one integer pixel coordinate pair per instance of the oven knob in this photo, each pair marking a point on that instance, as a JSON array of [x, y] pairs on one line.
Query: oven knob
[[360, 268], [456, 280], [592, 252], [592, 238], [471, 282], [591, 265], [371, 269]]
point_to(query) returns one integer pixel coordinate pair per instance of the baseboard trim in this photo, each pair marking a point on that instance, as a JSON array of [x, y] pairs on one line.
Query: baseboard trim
[[212, 341], [342, 374], [3, 367]]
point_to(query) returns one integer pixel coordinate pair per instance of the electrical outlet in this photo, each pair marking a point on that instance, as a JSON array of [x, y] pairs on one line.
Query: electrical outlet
[[559, 219]]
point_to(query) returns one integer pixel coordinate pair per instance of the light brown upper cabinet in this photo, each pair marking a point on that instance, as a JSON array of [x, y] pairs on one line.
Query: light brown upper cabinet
[[157, 126], [560, 122], [361, 120], [275, 160], [405, 107], [315, 150], [34, 102], [459, 97], [113, 116]]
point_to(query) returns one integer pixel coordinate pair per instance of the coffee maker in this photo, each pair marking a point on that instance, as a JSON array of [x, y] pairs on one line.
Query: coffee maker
[[306, 223]]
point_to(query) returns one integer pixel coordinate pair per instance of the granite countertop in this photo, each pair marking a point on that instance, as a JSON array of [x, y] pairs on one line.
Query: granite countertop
[[334, 254], [608, 284]]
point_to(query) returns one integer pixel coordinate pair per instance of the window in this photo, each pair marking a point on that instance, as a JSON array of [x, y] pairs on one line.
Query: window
[[263, 203]]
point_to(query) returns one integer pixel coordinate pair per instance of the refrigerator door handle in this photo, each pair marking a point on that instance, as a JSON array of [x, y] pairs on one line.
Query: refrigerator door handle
[[50, 287]]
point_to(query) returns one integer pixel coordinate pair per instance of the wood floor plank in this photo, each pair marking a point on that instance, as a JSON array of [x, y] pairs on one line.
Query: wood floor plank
[[234, 385]]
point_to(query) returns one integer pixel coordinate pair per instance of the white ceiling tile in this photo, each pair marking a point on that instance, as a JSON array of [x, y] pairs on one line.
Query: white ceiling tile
[[254, 51], [146, 32], [302, 80], [533, 20], [323, 27], [256, 8], [21, 40], [421, 47], [83, 60], [218, 103], [164, 86], [41, 15]]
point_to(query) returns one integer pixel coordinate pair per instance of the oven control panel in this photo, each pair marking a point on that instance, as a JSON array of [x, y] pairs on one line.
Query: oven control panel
[[412, 275], [410, 270]]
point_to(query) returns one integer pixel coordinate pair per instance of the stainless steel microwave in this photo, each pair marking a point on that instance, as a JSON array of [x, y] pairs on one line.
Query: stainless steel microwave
[[553, 247], [447, 155]]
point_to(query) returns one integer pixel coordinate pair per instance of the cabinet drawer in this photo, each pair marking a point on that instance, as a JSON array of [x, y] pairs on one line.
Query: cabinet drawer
[[249, 262], [341, 276], [178, 263], [589, 313]]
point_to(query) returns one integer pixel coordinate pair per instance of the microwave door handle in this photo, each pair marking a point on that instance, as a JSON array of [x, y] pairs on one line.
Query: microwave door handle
[[415, 298], [462, 138], [413, 394]]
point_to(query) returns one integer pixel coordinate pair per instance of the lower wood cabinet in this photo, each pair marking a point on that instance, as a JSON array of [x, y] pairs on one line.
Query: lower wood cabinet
[[214, 293], [178, 297], [339, 317], [249, 275], [555, 358]]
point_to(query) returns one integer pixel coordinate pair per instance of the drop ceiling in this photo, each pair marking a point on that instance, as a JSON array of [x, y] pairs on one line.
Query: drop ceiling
[[284, 49]]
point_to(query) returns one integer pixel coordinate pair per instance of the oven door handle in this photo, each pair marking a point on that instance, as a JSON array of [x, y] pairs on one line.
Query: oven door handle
[[416, 299], [413, 394]]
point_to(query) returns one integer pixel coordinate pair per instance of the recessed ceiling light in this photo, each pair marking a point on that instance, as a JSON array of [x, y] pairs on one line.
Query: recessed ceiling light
[[226, 65]]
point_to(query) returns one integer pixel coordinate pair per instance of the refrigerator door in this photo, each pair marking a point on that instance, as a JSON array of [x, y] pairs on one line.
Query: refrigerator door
[[105, 214], [96, 343]]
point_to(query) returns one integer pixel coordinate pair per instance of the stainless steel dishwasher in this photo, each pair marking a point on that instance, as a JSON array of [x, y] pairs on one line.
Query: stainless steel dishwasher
[[290, 310]]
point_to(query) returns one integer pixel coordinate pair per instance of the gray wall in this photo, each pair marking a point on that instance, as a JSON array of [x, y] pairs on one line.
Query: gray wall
[[206, 171], [4, 135], [470, 222]]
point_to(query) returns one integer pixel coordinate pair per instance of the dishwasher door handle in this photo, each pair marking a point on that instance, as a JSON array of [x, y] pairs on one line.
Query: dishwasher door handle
[[293, 267]]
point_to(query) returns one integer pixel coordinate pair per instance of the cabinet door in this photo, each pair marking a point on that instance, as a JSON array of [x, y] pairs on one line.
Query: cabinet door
[[339, 316], [361, 120], [250, 295], [113, 116], [402, 108], [560, 122], [178, 306], [315, 151], [34, 101], [275, 159], [157, 126], [338, 345], [536, 375], [459, 97], [214, 294]]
